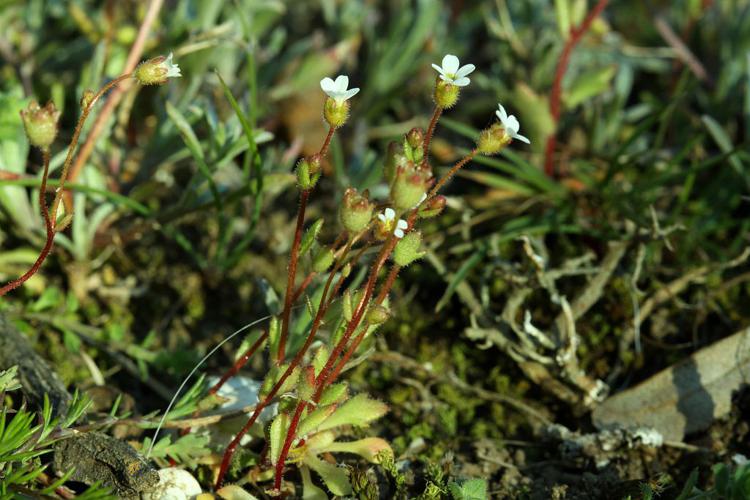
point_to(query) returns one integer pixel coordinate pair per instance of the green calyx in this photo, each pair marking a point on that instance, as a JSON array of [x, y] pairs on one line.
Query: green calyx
[[40, 124], [407, 249], [308, 172], [446, 94], [336, 112], [356, 211]]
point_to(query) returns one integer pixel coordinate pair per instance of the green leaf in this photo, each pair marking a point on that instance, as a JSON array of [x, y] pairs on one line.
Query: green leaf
[[310, 236], [589, 84], [336, 478], [277, 435], [8, 381], [371, 449], [314, 419], [471, 489], [358, 411]]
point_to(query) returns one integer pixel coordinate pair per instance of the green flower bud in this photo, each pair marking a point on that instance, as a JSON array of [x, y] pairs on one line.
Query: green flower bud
[[432, 207], [156, 71], [492, 140], [336, 112], [323, 260], [446, 94], [414, 145], [407, 249], [308, 172], [40, 124], [378, 314], [410, 185], [87, 99], [356, 211]]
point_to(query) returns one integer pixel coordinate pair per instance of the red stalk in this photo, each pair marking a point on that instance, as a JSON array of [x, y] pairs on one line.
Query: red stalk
[[556, 93]]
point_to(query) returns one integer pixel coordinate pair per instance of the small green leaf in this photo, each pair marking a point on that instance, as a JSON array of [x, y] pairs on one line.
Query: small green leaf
[[334, 393], [358, 411], [471, 489], [314, 419], [589, 84], [277, 435], [335, 477], [8, 381], [310, 236]]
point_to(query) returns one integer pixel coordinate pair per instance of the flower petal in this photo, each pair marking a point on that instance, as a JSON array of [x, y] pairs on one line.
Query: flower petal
[[439, 69], [390, 213], [461, 82], [327, 85], [350, 93], [341, 83], [522, 138], [382, 217], [450, 64], [512, 125], [501, 113], [446, 79], [402, 224], [398, 233], [465, 70]]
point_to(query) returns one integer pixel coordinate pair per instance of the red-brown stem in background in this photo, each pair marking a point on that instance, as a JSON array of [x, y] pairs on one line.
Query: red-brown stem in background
[[430, 130], [293, 258], [241, 361], [136, 51], [308, 279], [50, 231], [556, 93]]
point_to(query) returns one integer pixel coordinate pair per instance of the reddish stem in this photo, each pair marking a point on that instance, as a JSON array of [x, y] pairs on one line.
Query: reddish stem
[[556, 93], [12, 285], [293, 258], [239, 363], [430, 130]]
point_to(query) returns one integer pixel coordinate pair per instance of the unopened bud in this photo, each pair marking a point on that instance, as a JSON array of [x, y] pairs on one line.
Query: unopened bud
[[410, 186], [446, 94], [492, 140], [432, 207], [377, 315], [394, 158], [407, 249], [356, 211], [40, 124], [87, 99], [336, 112], [308, 172], [414, 145]]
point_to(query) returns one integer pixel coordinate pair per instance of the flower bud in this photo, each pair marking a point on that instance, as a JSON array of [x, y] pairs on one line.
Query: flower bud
[[308, 172], [446, 94], [432, 207], [336, 112], [414, 144], [377, 315], [356, 211], [156, 71], [87, 99], [410, 185], [394, 158], [40, 124], [322, 260], [492, 140], [407, 249]]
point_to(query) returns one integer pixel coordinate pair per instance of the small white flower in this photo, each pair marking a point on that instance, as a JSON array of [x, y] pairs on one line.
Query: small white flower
[[337, 90], [388, 219], [451, 73], [511, 124], [173, 71]]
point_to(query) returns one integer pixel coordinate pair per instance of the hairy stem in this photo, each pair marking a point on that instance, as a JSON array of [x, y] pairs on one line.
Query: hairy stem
[[430, 131]]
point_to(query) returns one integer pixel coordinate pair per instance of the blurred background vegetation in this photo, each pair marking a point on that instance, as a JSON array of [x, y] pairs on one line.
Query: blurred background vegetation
[[182, 227]]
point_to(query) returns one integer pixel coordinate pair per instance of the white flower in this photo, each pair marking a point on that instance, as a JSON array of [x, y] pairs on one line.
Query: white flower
[[337, 89], [511, 124], [388, 218], [451, 73], [173, 71]]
